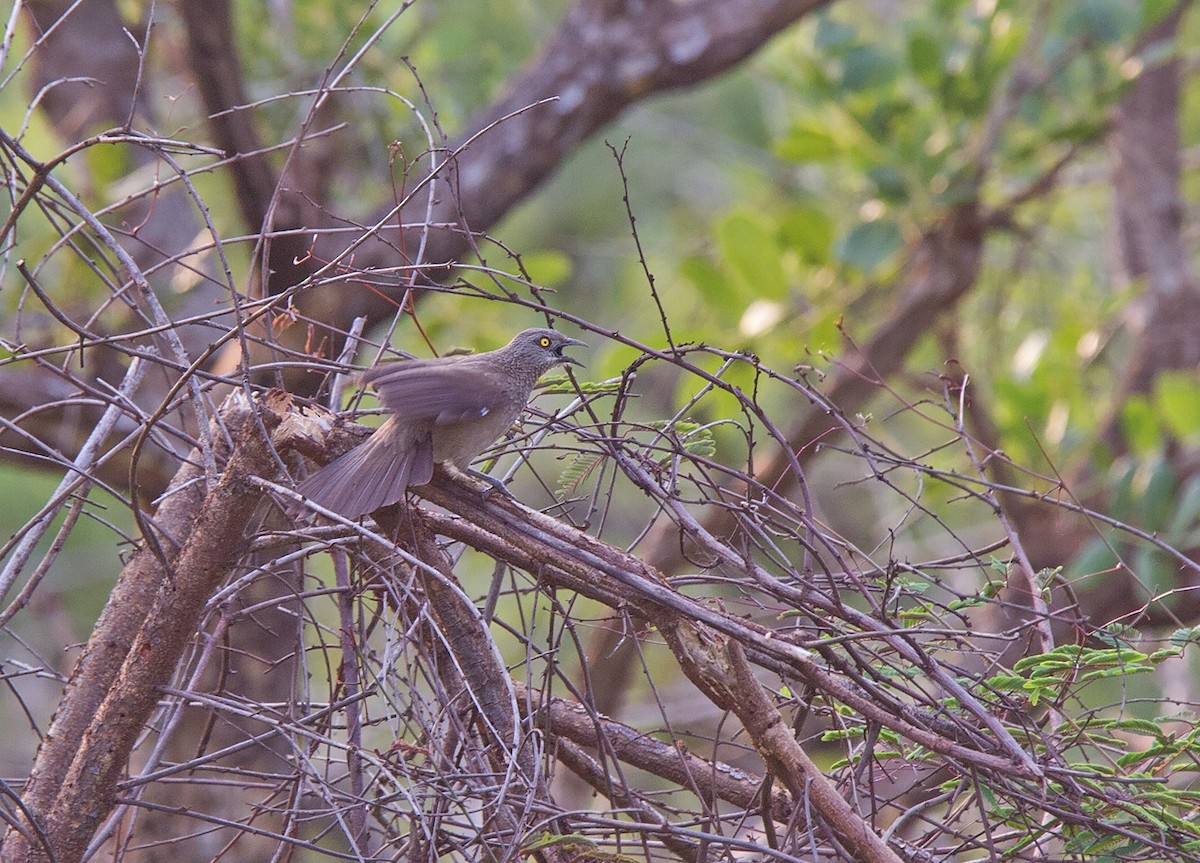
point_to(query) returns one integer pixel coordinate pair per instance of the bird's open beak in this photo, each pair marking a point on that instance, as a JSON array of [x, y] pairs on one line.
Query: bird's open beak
[[569, 360]]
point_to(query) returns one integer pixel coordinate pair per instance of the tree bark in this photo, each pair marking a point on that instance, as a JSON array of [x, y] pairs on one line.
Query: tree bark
[[1149, 214]]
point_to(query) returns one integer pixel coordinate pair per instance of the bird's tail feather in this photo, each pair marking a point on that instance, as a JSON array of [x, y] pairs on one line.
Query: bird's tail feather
[[372, 475]]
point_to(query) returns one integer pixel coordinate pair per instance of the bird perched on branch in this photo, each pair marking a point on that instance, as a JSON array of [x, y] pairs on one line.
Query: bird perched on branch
[[445, 410]]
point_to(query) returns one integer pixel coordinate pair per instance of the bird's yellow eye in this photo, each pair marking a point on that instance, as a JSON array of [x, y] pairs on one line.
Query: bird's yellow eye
[[544, 341]]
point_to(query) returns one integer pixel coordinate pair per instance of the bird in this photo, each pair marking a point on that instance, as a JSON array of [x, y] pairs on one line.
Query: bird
[[447, 409]]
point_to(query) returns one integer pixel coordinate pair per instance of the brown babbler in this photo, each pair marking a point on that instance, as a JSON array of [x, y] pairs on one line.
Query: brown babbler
[[448, 409]]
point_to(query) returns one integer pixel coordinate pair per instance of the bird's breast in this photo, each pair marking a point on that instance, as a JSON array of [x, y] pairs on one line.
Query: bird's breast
[[461, 440]]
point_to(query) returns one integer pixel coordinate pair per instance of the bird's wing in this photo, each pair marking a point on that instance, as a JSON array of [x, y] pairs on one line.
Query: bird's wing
[[440, 391]]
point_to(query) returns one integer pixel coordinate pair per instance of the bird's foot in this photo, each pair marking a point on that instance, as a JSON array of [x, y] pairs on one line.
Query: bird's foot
[[494, 483]]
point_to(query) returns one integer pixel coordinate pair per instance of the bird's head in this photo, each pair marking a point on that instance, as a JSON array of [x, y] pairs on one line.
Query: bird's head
[[541, 349]]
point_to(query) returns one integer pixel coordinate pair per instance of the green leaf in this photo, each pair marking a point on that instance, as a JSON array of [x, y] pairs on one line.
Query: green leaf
[[695, 439], [1101, 673], [1183, 637], [868, 245], [807, 141], [560, 384], [1140, 726], [702, 444], [1008, 682], [1070, 650], [809, 231], [1132, 758], [1158, 483], [1173, 820], [1089, 846], [832, 34], [966, 602], [1039, 660], [890, 185], [715, 287], [1139, 424], [865, 67], [1117, 634], [1185, 512], [1102, 21], [1163, 654], [548, 268], [748, 245], [1177, 399], [925, 57], [576, 473], [1118, 656]]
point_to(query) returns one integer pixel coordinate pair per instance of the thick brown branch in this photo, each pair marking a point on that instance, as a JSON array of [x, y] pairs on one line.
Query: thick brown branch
[[115, 630], [89, 64], [573, 560], [708, 780], [1149, 210], [218, 73], [605, 57], [718, 666], [486, 680], [591, 771], [148, 623], [712, 660]]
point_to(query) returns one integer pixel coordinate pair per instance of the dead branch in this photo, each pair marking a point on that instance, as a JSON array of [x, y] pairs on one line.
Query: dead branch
[[150, 618]]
